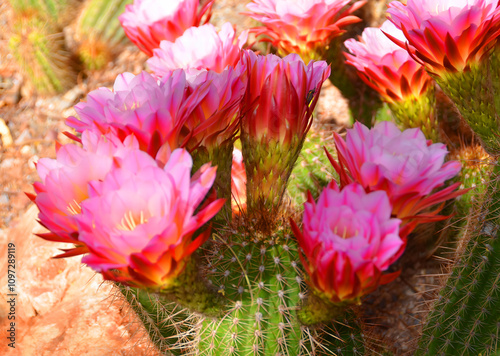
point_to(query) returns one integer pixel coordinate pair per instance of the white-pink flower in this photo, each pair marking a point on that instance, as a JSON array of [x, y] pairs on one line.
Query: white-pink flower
[[386, 67], [64, 183], [402, 163], [199, 48], [148, 22]]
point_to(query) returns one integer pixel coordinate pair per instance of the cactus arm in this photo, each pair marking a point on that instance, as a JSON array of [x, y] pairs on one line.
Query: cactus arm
[[464, 320]]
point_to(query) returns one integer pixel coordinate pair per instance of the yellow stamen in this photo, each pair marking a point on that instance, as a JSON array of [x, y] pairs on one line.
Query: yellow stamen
[[129, 223], [74, 208]]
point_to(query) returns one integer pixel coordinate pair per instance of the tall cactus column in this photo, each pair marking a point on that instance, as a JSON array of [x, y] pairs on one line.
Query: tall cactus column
[[465, 315], [464, 320]]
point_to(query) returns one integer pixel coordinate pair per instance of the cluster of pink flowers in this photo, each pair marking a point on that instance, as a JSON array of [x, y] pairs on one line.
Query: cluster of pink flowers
[[133, 216], [125, 196], [388, 181], [178, 110]]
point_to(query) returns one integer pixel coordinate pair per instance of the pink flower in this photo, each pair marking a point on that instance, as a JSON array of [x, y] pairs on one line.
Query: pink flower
[[386, 67], [348, 240], [302, 26], [403, 164], [200, 48], [281, 96], [238, 184], [200, 108], [447, 35], [64, 184], [140, 219], [216, 119], [276, 116], [148, 22]]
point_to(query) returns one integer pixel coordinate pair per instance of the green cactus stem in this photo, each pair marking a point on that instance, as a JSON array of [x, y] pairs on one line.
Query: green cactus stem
[[56, 12], [222, 157], [313, 171], [167, 324], [465, 320], [43, 57], [262, 283], [268, 166], [472, 92], [476, 168], [418, 112], [99, 33], [318, 310]]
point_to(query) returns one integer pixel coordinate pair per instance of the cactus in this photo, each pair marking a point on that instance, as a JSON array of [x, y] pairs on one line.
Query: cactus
[[312, 171], [474, 174], [41, 53], [262, 283], [98, 32], [165, 322], [56, 12], [464, 320], [418, 112]]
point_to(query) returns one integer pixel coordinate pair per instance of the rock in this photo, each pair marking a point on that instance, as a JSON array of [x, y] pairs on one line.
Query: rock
[[62, 306]]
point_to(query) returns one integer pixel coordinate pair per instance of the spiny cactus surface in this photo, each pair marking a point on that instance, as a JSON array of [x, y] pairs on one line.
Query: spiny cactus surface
[[43, 57], [464, 320], [312, 172]]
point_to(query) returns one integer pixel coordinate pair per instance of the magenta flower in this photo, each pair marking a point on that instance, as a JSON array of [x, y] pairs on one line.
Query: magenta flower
[[403, 164], [148, 22], [238, 184], [386, 67], [305, 27], [64, 184], [200, 48], [276, 116], [281, 96], [216, 119], [349, 239], [178, 108], [447, 35], [139, 221]]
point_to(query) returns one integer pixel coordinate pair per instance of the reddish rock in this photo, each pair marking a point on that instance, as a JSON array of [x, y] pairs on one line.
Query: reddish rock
[[62, 306]]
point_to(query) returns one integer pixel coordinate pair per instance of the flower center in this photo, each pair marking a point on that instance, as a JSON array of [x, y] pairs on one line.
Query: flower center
[[129, 221], [74, 208], [345, 232]]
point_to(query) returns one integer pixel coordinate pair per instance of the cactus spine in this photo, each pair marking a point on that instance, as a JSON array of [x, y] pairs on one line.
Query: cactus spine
[[464, 320]]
